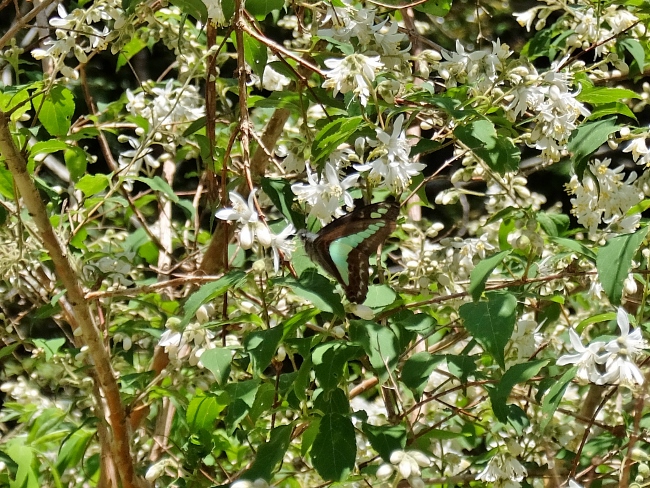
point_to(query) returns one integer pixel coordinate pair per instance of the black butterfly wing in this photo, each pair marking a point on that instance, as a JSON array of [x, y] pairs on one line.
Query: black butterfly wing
[[343, 247]]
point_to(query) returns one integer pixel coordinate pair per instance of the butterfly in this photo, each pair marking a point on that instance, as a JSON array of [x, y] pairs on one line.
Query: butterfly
[[343, 247]]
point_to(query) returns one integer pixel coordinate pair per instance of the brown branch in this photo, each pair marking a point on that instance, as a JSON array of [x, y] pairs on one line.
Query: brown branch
[[17, 165], [22, 23]]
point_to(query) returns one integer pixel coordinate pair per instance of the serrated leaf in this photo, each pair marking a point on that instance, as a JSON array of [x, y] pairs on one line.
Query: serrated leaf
[[482, 271], [587, 138], [334, 450], [491, 323], [614, 261]]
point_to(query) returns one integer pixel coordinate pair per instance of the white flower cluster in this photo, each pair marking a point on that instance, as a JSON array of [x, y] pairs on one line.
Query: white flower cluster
[[377, 46], [612, 362], [588, 27], [406, 465], [252, 228], [75, 33], [604, 197], [188, 344]]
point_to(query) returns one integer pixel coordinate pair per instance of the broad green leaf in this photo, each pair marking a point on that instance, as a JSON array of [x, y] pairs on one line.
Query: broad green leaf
[[218, 361], [379, 343], [461, 366], [46, 421], [491, 322], [91, 185], [334, 450], [553, 224], [519, 373], [210, 291], [261, 8], [50, 346], [385, 438], [417, 369], [242, 396], [261, 346], [420, 323], [587, 138], [204, 409], [8, 350], [76, 160], [73, 449], [23, 456], [280, 193], [317, 289], [332, 401], [332, 135], [10, 100], [255, 52], [576, 247], [47, 147], [55, 110], [498, 152], [264, 401], [598, 95], [614, 261], [481, 273], [635, 48], [613, 108], [298, 319], [270, 454], [330, 359], [6, 183], [554, 396], [158, 184], [194, 8], [438, 8], [380, 296]]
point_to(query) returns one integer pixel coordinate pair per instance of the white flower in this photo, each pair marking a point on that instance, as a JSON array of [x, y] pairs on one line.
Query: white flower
[[274, 81], [258, 483], [503, 467], [620, 366], [586, 358], [408, 463], [354, 73], [279, 244], [392, 164], [246, 214]]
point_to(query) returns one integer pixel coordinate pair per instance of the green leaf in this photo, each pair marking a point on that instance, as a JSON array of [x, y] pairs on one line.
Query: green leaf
[[635, 48], [280, 193], [210, 291], [498, 152], [417, 369], [158, 184], [385, 438], [334, 450], [242, 396], [437, 8], [218, 361], [461, 366], [50, 346], [55, 110], [73, 449], [492, 322], [91, 185], [255, 52], [203, 410], [329, 360], [614, 261], [576, 247], [270, 454], [481, 273], [76, 160], [587, 138], [332, 401], [130, 49], [613, 108], [553, 224], [262, 346], [261, 8], [6, 183], [316, 289], [420, 323], [599, 95], [23, 456], [554, 396], [380, 344], [194, 8], [519, 373], [332, 135]]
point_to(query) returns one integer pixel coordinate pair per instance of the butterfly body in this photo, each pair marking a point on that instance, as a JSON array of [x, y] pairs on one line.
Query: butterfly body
[[343, 247]]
